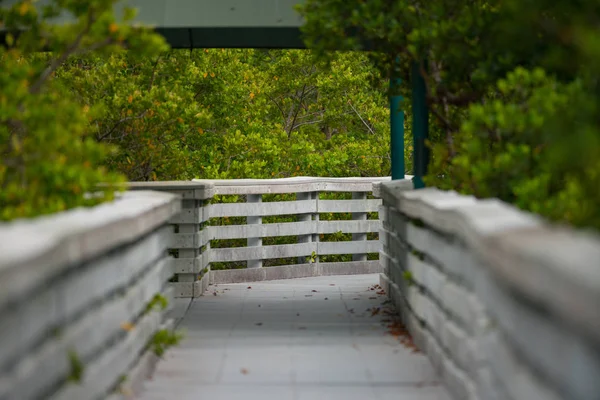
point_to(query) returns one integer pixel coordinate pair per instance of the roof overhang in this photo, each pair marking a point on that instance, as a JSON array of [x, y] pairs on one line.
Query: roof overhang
[[218, 23]]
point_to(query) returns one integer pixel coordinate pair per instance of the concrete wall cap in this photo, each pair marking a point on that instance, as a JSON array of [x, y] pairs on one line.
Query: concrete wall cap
[[33, 250], [189, 189], [287, 181], [296, 184]]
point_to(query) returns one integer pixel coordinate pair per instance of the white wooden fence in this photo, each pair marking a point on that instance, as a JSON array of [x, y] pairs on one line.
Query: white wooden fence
[[193, 231]]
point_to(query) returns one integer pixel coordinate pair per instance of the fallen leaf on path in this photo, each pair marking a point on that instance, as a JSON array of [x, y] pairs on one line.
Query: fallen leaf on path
[[244, 371], [127, 326], [249, 287], [399, 331]]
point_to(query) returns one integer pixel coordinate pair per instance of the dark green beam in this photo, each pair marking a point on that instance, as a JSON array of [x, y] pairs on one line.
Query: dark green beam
[[239, 38], [420, 126], [396, 128]]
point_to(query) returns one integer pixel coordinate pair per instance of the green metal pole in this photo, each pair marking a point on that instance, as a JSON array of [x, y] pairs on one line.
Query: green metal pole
[[420, 127], [397, 128]]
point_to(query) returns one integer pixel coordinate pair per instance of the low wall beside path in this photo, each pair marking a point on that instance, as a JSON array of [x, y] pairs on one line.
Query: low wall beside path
[[506, 306], [82, 295]]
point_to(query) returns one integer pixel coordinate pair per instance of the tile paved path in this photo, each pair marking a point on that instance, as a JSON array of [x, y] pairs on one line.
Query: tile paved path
[[298, 339]]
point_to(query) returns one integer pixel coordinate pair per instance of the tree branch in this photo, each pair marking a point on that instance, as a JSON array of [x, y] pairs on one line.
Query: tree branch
[[105, 135], [307, 123], [153, 73], [361, 118], [57, 62], [442, 119], [297, 111], [278, 106]]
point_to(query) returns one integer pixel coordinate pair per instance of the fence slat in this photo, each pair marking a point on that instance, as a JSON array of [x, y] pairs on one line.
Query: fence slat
[[365, 226], [261, 209], [367, 246], [264, 252], [353, 206], [289, 229]]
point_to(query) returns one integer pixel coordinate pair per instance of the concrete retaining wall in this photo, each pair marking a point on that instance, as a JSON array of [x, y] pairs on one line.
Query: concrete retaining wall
[[192, 235], [74, 293], [505, 306]]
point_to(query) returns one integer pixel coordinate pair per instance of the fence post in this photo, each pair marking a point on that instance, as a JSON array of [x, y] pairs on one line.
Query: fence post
[[396, 123], [254, 198], [187, 244], [315, 217], [306, 218], [187, 238], [359, 216]]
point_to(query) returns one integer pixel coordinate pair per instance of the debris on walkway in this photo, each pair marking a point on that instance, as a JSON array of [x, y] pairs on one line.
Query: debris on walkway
[[280, 341]]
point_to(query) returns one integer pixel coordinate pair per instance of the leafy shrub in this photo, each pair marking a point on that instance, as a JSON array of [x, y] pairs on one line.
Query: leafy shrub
[[49, 163], [507, 149], [511, 86]]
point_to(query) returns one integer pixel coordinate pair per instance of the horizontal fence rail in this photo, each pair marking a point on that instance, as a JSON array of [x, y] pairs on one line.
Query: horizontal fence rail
[[255, 229], [75, 292]]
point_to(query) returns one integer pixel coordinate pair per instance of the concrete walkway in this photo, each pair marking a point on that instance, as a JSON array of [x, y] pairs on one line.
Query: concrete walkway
[[300, 339]]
